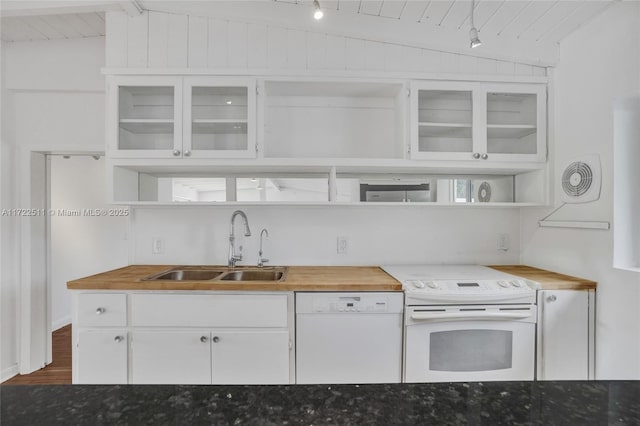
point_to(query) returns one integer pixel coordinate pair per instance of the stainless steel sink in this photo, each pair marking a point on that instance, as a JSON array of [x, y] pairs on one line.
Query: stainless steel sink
[[255, 275], [274, 274], [187, 275]]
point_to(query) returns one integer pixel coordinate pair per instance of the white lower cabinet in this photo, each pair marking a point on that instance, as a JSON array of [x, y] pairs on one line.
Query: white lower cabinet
[[101, 357], [184, 338], [246, 357], [566, 320], [170, 357]]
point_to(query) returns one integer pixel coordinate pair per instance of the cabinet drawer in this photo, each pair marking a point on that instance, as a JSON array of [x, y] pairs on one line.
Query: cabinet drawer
[[177, 310], [102, 310]]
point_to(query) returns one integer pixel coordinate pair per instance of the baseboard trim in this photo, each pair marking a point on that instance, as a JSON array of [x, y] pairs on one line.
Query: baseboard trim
[[8, 373], [61, 323]]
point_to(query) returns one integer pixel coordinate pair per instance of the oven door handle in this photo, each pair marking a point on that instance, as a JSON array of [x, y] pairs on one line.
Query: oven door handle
[[465, 316]]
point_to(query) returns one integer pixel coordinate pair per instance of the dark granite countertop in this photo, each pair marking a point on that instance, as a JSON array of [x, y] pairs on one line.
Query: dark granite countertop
[[488, 403]]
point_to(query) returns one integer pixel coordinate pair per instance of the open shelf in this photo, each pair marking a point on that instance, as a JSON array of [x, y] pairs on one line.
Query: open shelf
[[218, 121], [219, 127], [444, 130], [510, 131], [147, 125], [320, 119]]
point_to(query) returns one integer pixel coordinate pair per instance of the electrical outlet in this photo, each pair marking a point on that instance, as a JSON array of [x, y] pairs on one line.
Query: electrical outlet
[[157, 246], [503, 242], [343, 244]]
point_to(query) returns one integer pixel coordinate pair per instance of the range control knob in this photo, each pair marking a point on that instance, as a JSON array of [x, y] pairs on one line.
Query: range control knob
[[503, 284], [516, 283], [431, 284], [418, 284]]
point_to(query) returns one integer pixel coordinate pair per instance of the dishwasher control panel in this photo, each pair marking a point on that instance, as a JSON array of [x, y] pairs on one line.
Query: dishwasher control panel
[[349, 302]]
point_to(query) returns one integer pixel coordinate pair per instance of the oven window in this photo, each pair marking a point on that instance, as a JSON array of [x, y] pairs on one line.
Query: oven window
[[470, 350]]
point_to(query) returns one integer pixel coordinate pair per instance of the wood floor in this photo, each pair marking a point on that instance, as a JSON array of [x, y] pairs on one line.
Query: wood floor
[[56, 373]]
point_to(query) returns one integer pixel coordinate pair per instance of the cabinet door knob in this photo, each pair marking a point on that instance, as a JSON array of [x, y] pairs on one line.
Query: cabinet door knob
[[216, 339], [100, 311], [187, 153], [176, 152], [485, 156], [118, 339], [204, 339], [552, 298], [476, 155]]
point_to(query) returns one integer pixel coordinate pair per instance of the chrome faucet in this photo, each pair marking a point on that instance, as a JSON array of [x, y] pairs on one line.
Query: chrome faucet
[[233, 257], [262, 260]]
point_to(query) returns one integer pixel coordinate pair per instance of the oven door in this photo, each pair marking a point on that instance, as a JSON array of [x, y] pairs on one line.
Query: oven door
[[469, 343]]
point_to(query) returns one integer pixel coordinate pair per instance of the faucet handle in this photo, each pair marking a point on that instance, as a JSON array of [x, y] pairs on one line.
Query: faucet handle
[[262, 260]]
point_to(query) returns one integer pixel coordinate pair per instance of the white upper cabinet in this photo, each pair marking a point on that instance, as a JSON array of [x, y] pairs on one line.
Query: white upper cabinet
[[144, 116], [443, 118], [478, 122], [219, 118], [176, 117], [516, 122]]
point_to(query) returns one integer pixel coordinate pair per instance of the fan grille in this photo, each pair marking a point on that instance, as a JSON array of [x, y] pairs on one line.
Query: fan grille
[[577, 179], [484, 192]]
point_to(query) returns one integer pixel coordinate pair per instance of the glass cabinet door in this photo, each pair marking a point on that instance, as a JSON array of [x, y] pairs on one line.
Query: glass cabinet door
[[478, 122], [516, 125], [219, 118], [444, 117], [148, 117]]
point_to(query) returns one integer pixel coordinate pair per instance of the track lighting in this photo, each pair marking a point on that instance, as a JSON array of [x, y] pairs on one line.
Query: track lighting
[[317, 14], [473, 35], [473, 32]]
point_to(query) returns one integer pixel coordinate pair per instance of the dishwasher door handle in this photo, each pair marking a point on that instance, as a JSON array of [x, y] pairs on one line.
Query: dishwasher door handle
[[466, 316]]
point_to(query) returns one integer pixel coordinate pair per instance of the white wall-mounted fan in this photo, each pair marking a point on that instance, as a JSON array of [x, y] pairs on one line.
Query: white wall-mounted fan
[[581, 179], [484, 192]]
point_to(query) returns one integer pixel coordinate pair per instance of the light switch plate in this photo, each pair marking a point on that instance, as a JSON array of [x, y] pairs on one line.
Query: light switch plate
[[343, 244], [503, 242], [157, 246]]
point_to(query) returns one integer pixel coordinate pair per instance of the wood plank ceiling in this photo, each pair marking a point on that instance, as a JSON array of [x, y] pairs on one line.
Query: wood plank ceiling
[[535, 20], [546, 21], [48, 27]]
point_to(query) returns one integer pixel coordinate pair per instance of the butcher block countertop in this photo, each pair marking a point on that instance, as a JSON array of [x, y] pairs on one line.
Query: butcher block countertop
[[298, 278], [547, 279]]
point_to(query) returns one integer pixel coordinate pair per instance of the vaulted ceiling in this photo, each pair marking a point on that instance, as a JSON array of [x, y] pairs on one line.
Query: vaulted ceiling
[[48, 27], [530, 20], [527, 31]]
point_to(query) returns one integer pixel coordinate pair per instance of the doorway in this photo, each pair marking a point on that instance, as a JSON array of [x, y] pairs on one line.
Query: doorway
[[83, 239], [72, 236]]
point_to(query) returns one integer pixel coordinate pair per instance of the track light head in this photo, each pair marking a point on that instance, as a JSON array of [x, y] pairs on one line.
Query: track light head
[[317, 13], [473, 35]]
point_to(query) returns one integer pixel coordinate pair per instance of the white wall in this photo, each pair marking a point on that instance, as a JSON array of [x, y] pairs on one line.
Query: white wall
[[8, 241], [306, 235], [52, 99], [80, 245], [598, 64], [179, 41]]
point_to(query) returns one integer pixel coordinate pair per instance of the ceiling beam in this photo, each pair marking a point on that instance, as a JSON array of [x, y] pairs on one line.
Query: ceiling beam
[[131, 7]]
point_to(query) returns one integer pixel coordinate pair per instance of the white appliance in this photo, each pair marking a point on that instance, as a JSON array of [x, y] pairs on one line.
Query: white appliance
[[467, 323], [349, 337]]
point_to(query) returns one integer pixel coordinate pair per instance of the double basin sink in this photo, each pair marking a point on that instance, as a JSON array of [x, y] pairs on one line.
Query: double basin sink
[[273, 274]]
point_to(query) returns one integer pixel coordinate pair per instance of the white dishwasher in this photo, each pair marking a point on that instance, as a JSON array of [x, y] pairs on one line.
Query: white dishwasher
[[349, 337]]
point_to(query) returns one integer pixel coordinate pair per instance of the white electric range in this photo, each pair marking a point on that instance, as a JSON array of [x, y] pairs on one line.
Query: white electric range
[[467, 323]]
